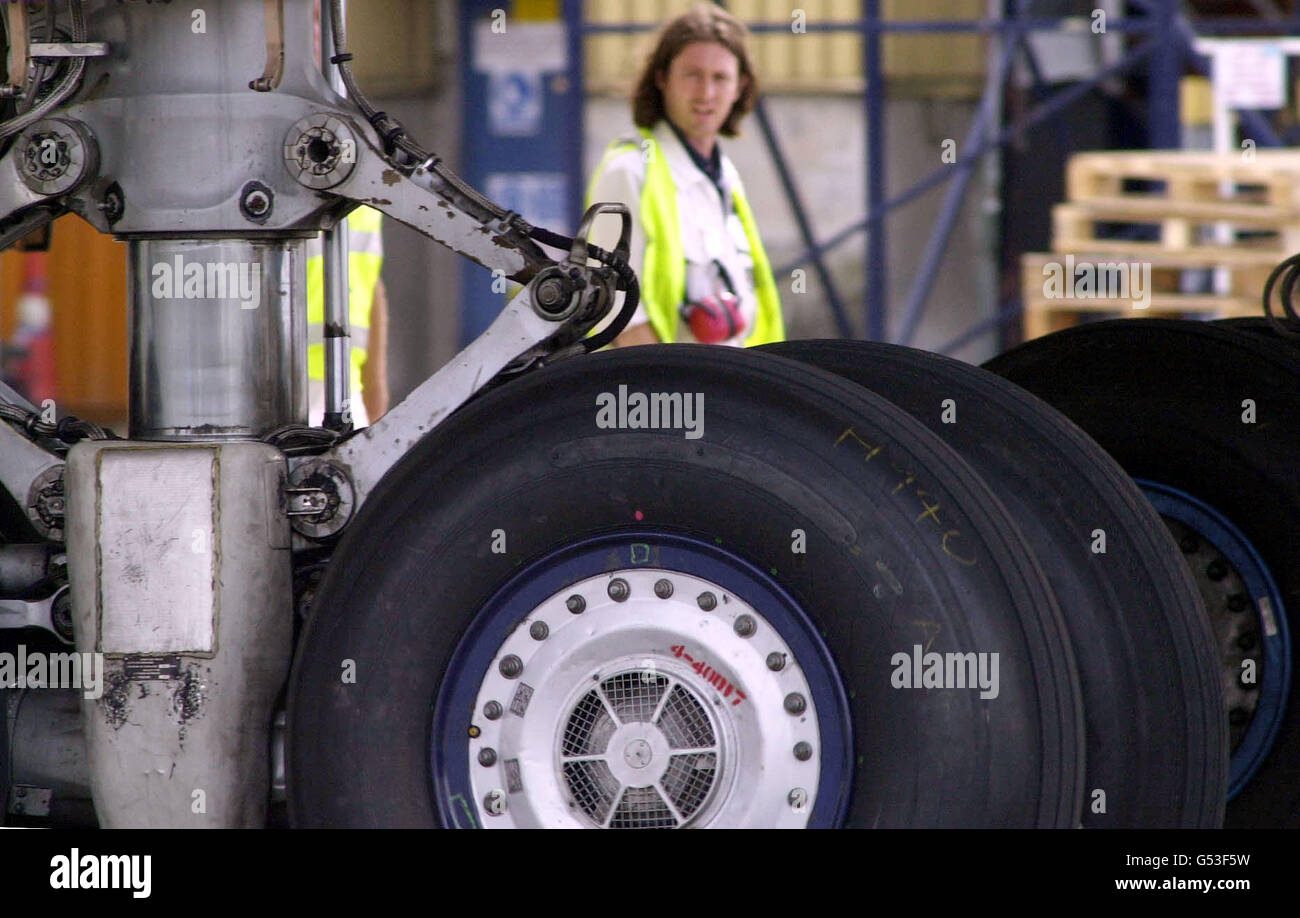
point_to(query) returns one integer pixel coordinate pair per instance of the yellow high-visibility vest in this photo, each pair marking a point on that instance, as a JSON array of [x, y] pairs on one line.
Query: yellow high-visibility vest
[[663, 274], [365, 259]]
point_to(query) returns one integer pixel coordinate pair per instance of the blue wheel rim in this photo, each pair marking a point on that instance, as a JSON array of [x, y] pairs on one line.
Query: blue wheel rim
[[1276, 648], [453, 709]]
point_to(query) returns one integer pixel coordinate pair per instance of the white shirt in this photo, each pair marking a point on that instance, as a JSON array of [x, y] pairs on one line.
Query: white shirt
[[710, 227]]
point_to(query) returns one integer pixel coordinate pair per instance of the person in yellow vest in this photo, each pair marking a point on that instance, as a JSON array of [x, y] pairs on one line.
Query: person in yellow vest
[[367, 318], [704, 274]]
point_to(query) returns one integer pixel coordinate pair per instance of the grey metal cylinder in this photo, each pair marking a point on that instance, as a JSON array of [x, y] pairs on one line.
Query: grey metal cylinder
[[49, 743], [218, 338], [22, 566]]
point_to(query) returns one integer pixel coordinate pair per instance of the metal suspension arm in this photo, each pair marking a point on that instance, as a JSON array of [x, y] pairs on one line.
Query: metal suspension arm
[[549, 318], [419, 199]]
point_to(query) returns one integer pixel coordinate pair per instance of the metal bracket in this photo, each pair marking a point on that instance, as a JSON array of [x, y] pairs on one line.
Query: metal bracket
[[30, 801], [50, 159], [61, 49], [30, 474], [320, 498], [274, 70], [578, 253], [52, 614]]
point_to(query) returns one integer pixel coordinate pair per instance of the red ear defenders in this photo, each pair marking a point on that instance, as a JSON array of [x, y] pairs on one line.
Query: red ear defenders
[[713, 319]]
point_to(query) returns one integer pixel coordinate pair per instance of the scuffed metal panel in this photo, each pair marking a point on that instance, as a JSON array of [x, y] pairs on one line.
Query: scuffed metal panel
[[157, 540]]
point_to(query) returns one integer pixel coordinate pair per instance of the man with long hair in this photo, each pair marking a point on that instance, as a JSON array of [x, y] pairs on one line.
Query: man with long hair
[[704, 275]]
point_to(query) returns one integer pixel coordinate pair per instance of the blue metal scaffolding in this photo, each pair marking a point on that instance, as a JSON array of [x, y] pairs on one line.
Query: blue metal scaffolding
[[1164, 50]]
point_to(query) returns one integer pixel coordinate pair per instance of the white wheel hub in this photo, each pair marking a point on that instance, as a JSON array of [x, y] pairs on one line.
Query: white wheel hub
[[661, 702]]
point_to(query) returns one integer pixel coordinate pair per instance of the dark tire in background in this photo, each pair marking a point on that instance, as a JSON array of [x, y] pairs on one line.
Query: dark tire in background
[[1257, 325], [1155, 722], [1207, 419], [900, 546], [5, 769]]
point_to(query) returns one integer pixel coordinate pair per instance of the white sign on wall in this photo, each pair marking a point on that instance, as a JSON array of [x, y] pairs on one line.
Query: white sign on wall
[[1251, 74]]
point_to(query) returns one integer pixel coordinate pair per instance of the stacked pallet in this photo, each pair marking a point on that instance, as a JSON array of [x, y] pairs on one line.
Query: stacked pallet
[[1140, 229]]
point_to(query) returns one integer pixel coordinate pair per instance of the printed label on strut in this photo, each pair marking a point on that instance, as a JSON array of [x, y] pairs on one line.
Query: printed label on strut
[[152, 668]]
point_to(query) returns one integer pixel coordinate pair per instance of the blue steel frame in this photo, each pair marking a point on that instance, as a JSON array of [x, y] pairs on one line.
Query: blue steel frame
[[1166, 51]]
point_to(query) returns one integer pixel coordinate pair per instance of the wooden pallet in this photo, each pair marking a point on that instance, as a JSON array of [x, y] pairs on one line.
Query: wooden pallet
[[1246, 275], [1044, 313], [1263, 231], [1271, 179]]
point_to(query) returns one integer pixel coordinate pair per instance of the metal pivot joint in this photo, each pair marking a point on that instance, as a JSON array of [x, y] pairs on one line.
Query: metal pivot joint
[[319, 499], [55, 155], [320, 151]]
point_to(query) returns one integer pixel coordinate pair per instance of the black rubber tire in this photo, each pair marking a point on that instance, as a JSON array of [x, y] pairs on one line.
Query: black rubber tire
[[1155, 721], [5, 776], [1164, 398], [528, 458], [1257, 325]]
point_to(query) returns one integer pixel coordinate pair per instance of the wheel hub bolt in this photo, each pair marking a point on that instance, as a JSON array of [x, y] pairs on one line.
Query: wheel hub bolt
[[550, 293], [492, 710], [663, 588], [257, 203], [802, 751], [487, 756], [538, 631], [619, 590], [575, 604], [708, 602], [746, 626], [776, 661], [795, 703], [1238, 602], [1216, 570], [1238, 716], [495, 802], [512, 666], [1247, 641]]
